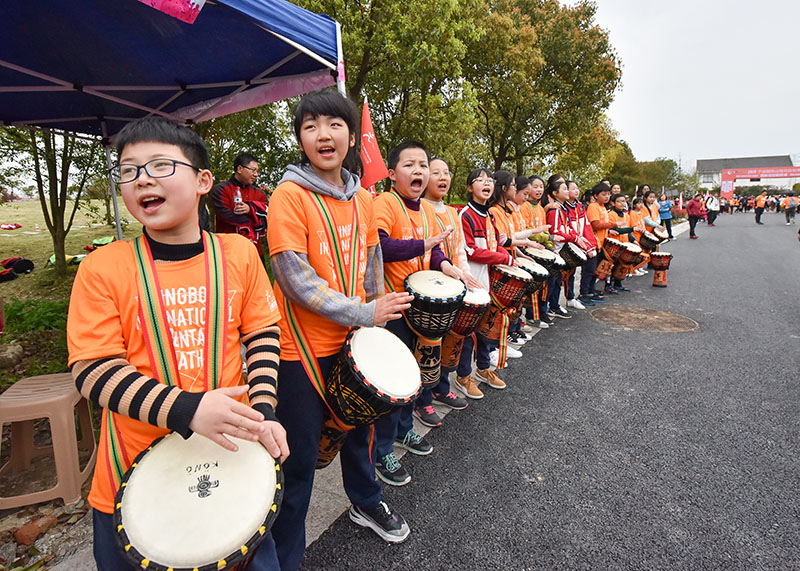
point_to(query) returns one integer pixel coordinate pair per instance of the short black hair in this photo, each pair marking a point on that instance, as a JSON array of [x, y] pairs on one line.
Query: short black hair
[[522, 182], [599, 188], [476, 174], [394, 154], [502, 181], [242, 160], [325, 102], [163, 130]]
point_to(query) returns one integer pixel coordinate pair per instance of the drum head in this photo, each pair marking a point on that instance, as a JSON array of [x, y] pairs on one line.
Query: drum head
[[635, 248], [533, 267], [513, 271], [576, 250], [433, 284], [478, 297], [541, 254], [385, 362], [560, 261], [189, 503]]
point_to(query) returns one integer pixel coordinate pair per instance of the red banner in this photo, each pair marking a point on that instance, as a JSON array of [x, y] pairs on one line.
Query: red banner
[[374, 167], [729, 176]]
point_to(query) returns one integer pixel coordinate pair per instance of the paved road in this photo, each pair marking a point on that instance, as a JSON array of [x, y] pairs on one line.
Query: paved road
[[625, 449]]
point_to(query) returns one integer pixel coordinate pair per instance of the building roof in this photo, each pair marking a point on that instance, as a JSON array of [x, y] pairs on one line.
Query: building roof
[[718, 165]]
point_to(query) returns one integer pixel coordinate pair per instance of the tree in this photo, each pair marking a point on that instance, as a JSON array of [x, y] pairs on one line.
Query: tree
[[659, 173], [543, 78], [265, 132], [53, 159], [412, 74], [587, 158], [624, 169]]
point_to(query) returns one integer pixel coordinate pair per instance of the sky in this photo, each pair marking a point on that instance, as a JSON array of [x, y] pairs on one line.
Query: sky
[[705, 79]]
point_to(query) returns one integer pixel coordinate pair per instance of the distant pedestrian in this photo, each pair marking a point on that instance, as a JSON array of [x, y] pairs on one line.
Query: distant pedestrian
[[665, 213], [694, 208], [712, 208], [761, 204], [789, 205]]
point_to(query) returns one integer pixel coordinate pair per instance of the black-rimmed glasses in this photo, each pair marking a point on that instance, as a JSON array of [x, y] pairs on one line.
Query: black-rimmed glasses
[[157, 168]]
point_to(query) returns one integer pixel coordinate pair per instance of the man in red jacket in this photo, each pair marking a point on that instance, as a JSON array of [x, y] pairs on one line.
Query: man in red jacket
[[694, 208], [239, 206]]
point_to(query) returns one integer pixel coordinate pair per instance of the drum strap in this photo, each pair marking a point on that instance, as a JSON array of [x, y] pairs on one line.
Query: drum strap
[[348, 276], [153, 316], [308, 359], [420, 259], [450, 245], [117, 459], [504, 326]]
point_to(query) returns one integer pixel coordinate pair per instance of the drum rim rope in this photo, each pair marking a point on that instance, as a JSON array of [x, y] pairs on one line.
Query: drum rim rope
[[138, 560]]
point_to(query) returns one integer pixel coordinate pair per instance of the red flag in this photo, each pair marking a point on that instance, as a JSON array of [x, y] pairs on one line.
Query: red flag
[[374, 167]]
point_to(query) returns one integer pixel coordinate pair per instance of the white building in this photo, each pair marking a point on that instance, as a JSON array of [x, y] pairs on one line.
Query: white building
[[709, 171]]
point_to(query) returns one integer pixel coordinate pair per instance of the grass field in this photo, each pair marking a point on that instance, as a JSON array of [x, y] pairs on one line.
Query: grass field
[[38, 246]]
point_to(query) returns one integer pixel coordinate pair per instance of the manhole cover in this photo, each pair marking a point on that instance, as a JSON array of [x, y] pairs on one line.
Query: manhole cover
[[645, 318]]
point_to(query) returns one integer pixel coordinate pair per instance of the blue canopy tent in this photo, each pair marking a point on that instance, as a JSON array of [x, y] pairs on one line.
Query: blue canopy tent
[[91, 66]]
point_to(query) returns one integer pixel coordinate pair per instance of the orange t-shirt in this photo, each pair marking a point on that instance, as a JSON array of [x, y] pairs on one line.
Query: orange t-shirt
[[595, 211], [519, 219], [654, 214], [637, 219], [447, 220], [761, 201], [526, 211], [503, 220], [105, 323], [296, 223], [623, 221], [401, 223]]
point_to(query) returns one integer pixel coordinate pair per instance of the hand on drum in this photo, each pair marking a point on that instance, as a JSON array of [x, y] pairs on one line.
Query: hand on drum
[[471, 282], [450, 270], [584, 243], [219, 413], [535, 245], [438, 239], [542, 228], [639, 229], [389, 307], [613, 233], [274, 440], [591, 253]]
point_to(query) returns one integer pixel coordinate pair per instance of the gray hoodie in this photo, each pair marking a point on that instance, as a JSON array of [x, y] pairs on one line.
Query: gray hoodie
[[300, 282]]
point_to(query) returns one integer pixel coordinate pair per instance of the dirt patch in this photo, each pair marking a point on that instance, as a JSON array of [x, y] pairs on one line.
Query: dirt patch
[[645, 318]]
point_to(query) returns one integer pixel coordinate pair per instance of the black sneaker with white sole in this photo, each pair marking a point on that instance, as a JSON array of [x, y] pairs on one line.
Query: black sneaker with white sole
[[390, 470], [560, 312], [389, 525], [414, 443]]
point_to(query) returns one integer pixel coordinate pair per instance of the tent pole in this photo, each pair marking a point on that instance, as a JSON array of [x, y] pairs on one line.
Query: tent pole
[[340, 61], [112, 188]]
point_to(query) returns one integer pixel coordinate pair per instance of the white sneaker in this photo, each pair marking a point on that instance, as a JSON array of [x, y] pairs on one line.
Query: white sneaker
[[493, 355], [576, 304], [526, 336], [526, 328], [513, 353], [542, 325]]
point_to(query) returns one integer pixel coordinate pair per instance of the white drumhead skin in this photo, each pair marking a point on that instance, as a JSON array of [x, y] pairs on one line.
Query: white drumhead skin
[[633, 248], [533, 267], [559, 260], [477, 297], [542, 254], [166, 518], [385, 361], [518, 272], [614, 241], [431, 283], [661, 254]]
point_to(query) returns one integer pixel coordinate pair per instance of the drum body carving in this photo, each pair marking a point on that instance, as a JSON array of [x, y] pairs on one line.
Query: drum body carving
[[573, 255], [508, 284], [373, 373], [437, 301], [190, 504], [659, 261], [476, 302]]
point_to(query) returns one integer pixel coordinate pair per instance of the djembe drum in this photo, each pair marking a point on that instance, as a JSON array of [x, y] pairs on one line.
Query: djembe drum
[[659, 262]]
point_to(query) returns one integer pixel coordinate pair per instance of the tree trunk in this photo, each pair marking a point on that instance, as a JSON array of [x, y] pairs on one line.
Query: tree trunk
[[59, 249]]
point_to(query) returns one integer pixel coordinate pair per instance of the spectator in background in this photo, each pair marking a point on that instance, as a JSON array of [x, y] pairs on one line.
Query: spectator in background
[[240, 207], [712, 208], [694, 208], [789, 205], [665, 212]]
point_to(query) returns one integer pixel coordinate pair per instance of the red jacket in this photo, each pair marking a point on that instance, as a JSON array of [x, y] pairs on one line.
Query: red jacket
[[558, 219], [694, 207]]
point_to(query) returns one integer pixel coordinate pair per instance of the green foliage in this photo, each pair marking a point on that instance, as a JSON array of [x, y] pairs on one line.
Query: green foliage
[[35, 315], [265, 132]]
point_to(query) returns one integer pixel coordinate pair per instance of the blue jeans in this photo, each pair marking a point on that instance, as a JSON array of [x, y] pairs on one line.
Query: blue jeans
[[108, 555], [302, 411], [481, 355]]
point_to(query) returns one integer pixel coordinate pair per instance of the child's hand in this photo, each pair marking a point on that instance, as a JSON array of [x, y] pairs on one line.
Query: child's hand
[[613, 233], [273, 438], [534, 245], [471, 282], [389, 307], [438, 239], [450, 270], [219, 414]]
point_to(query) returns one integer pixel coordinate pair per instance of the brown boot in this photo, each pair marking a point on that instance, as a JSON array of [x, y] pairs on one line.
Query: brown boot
[[469, 387], [490, 378]]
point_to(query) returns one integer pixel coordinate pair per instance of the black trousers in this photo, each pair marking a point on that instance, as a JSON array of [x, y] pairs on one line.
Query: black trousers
[[692, 223]]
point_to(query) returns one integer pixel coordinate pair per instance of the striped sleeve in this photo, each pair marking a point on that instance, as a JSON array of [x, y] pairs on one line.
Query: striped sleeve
[[262, 352], [115, 384]]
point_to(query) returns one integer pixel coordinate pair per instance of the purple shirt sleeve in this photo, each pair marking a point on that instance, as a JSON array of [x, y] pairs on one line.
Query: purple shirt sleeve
[[400, 250], [437, 257]]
